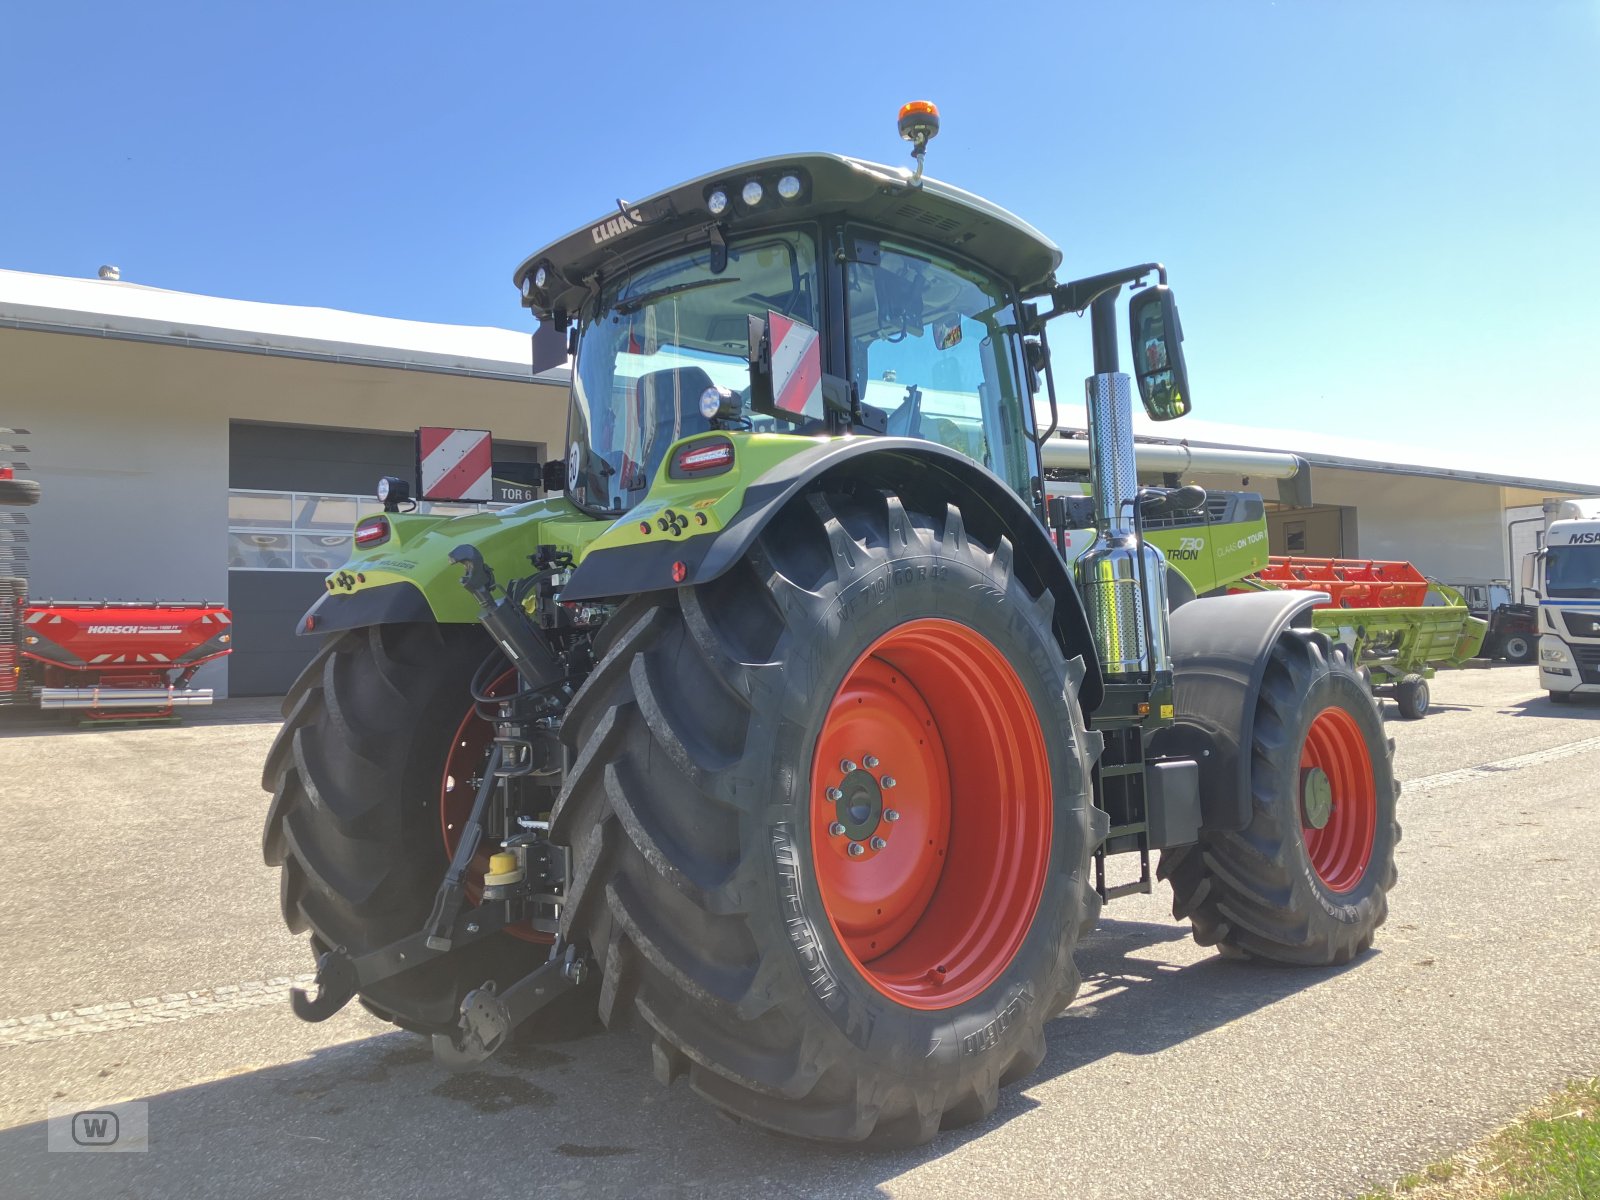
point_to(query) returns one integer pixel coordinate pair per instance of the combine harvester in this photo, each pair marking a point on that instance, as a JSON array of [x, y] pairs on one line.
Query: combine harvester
[[1396, 625], [109, 660]]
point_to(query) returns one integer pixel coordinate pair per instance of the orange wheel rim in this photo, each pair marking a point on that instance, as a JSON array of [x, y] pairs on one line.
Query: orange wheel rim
[[463, 771], [1338, 800], [931, 813]]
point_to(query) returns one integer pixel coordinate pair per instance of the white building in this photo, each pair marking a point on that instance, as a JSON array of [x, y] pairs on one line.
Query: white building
[[192, 447]]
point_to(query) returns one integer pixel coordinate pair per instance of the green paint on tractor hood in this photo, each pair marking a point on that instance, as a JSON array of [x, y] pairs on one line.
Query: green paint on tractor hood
[[382, 583], [410, 576]]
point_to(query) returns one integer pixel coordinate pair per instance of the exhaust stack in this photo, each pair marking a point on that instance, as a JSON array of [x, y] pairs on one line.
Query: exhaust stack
[[1124, 582]]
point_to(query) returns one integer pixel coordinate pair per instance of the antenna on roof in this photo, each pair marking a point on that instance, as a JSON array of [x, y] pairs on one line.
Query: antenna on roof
[[110, 272]]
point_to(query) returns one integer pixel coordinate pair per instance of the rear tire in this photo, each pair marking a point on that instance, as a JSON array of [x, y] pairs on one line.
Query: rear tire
[[1283, 888], [356, 775], [1518, 648], [707, 871], [1412, 696]]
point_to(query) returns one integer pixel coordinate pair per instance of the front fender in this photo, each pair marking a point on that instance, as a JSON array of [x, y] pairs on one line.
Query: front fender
[[1219, 659], [924, 474]]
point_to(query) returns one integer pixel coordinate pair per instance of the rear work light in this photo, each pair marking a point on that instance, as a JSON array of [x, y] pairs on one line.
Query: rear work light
[[372, 533], [699, 459]]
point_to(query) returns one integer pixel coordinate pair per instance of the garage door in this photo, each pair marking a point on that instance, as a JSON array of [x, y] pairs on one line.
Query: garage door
[[294, 495]]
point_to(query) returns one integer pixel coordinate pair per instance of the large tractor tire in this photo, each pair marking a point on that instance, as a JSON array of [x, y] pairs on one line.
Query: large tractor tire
[[831, 825], [1307, 880], [364, 781]]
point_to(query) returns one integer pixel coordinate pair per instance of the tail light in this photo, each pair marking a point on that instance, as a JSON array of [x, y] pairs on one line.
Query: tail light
[[709, 456], [372, 533]]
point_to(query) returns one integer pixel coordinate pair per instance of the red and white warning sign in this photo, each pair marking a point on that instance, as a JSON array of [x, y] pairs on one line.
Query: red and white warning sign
[[796, 367], [455, 464]]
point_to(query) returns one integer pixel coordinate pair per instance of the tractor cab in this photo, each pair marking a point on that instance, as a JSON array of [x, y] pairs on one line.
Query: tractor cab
[[799, 295]]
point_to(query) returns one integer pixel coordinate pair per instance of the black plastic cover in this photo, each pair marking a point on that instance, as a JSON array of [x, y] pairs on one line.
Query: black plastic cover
[[1219, 658]]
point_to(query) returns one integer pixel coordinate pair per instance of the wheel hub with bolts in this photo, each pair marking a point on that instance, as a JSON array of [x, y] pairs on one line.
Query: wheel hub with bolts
[[859, 808]]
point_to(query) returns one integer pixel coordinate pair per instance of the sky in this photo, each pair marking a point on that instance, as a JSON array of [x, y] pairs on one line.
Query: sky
[[1380, 218]]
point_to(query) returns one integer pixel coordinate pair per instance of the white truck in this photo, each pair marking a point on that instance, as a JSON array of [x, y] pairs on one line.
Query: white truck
[[1564, 574]]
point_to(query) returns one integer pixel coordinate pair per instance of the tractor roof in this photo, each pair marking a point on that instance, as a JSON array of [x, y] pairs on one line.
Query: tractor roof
[[876, 195]]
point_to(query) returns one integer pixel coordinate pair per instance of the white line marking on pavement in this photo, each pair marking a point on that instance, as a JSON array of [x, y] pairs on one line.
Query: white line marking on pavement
[[1434, 783], [180, 1006], [148, 1010]]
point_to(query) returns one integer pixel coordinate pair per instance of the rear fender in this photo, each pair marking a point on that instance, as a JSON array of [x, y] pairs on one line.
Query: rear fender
[[925, 474], [409, 575], [1220, 648]]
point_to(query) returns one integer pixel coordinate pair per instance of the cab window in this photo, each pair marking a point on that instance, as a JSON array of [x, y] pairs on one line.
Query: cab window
[[933, 346]]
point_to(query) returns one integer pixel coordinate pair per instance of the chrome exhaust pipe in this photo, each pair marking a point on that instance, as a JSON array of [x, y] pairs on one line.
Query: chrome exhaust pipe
[[115, 697], [1120, 578]]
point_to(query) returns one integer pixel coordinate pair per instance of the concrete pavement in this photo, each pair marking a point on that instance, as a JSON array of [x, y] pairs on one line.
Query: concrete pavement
[[131, 887]]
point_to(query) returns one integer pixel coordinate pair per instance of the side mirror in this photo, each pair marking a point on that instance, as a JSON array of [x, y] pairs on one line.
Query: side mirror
[[785, 369], [549, 346], [1158, 353], [1527, 571], [554, 475]]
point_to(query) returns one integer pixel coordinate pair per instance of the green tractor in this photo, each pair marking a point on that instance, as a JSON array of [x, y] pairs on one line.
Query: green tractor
[[786, 731]]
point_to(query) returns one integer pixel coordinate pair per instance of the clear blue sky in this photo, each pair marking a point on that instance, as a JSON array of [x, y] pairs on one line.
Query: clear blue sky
[[1380, 217]]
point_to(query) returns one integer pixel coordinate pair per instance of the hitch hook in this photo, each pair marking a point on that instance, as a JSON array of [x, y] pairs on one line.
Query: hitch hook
[[336, 987]]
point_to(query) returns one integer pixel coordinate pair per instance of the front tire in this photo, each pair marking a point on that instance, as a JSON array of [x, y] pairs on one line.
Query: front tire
[[722, 778], [1307, 880], [1518, 648]]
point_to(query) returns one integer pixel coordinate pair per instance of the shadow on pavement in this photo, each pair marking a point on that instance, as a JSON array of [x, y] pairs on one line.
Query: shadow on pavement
[[1584, 708], [375, 1116]]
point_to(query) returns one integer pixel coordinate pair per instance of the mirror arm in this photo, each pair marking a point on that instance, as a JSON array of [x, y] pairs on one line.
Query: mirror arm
[[1076, 296]]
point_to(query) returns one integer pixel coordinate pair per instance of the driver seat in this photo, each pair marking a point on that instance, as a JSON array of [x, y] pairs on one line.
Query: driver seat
[[669, 408]]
